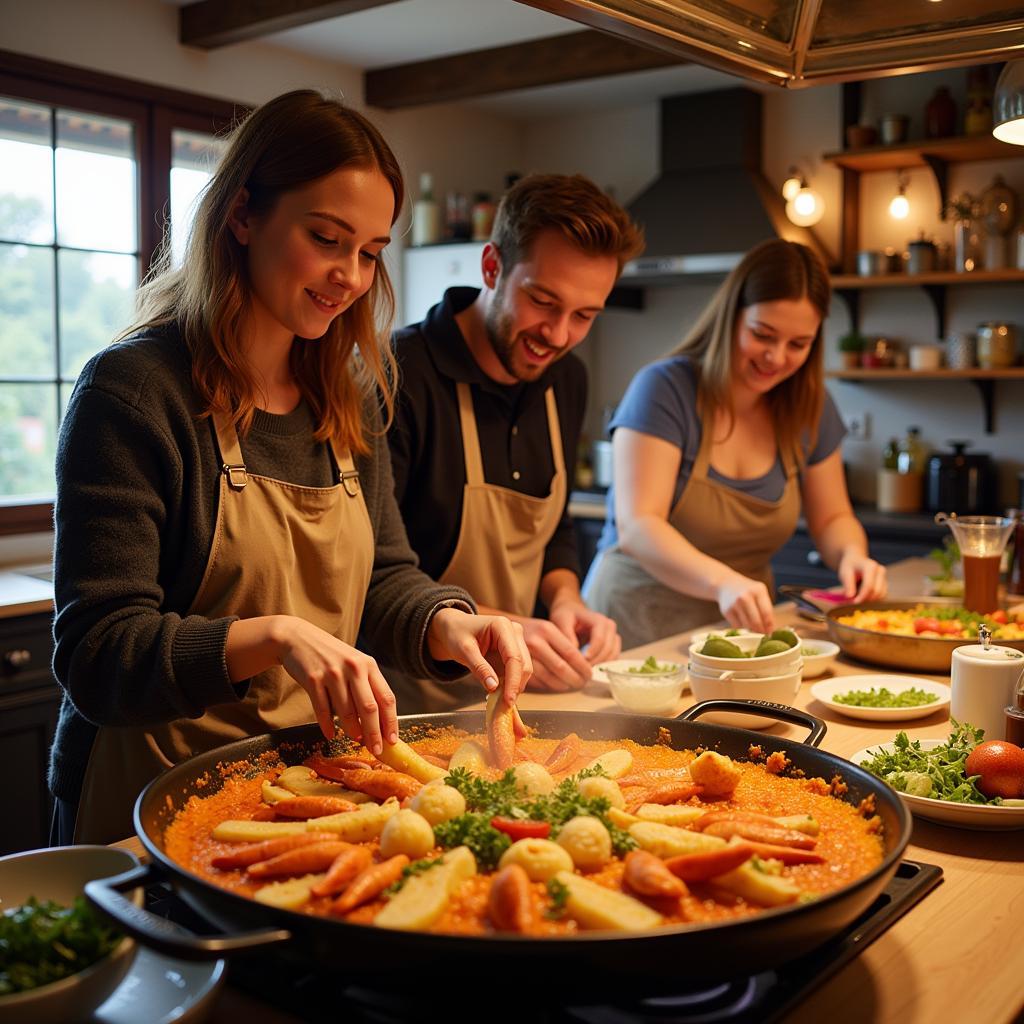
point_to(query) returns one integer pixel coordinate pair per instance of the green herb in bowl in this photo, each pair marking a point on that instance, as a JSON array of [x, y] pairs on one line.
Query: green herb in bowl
[[883, 698], [652, 667], [42, 942]]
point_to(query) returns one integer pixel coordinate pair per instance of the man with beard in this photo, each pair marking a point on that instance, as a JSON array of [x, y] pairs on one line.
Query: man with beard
[[488, 418]]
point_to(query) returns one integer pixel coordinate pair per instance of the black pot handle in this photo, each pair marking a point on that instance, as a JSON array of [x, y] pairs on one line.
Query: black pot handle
[[164, 936], [807, 607], [782, 712]]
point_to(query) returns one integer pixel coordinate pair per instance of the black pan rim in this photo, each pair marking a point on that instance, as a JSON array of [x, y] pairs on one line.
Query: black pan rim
[[159, 786]]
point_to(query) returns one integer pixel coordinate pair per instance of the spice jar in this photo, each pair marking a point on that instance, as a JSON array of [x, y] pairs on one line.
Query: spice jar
[[922, 255], [1014, 732]]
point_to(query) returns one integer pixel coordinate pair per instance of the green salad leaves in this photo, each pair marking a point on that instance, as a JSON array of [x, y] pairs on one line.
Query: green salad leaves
[[42, 942], [939, 773]]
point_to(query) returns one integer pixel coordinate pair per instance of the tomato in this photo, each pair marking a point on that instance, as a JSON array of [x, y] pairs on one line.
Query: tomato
[[882, 624], [951, 627], [1000, 766], [522, 828], [924, 625], [997, 616]]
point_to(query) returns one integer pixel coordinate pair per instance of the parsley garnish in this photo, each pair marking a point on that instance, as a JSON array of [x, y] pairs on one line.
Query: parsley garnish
[[417, 867], [559, 894]]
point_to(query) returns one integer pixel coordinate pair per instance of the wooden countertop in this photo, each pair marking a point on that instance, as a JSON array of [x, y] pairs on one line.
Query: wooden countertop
[[954, 957], [24, 594]]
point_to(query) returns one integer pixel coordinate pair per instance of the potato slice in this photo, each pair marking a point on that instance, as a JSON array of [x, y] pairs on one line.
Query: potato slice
[[802, 823], [670, 814], [668, 841], [594, 906], [424, 897], [622, 818], [469, 755], [272, 794], [758, 886], [302, 781], [358, 826], [237, 831], [291, 894], [615, 763], [403, 758]]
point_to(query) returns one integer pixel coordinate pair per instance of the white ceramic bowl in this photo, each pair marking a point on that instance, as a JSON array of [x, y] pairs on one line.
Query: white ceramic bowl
[[766, 664], [818, 656], [779, 689], [648, 693], [60, 874]]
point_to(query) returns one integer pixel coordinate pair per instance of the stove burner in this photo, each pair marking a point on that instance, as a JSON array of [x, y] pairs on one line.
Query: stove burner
[[322, 998]]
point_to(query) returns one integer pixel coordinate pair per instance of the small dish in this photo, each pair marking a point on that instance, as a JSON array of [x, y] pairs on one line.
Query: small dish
[[648, 693], [975, 816], [819, 656], [709, 684], [599, 683], [826, 691], [60, 875], [161, 989]]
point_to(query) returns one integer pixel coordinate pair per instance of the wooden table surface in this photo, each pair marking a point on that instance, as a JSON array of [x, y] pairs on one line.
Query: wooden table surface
[[957, 956]]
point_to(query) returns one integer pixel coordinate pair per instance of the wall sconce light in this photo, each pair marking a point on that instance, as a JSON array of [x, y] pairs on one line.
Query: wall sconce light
[[899, 207], [1008, 104], [792, 184], [806, 207]]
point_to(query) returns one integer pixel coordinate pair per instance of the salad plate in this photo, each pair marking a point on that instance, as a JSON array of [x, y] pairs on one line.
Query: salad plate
[[947, 812], [826, 693]]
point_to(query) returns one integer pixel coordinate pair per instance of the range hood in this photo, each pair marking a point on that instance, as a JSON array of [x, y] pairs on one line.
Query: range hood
[[710, 203], [806, 42]]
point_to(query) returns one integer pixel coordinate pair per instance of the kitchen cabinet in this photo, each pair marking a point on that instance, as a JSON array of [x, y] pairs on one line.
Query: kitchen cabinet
[[29, 701]]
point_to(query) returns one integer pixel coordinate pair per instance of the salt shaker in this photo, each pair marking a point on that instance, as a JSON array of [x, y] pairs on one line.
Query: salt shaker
[[984, 677]]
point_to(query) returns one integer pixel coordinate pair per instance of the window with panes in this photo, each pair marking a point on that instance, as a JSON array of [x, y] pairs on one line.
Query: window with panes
[[88, 183]]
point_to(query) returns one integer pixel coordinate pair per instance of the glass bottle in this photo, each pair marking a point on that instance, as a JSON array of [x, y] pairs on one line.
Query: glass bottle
[[1015, 576], [891, 454], [910, 458], [483, 216], [1014, 732], [426, 214]]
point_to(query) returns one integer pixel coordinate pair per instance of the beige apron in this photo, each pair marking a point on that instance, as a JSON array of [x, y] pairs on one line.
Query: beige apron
[[278, 548], [499, 556], [741, 530]]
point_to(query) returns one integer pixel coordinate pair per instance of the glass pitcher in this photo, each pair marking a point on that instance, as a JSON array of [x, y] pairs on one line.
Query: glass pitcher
[[981, 540]]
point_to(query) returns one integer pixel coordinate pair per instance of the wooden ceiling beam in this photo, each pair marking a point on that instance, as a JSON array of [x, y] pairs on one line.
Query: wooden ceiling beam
[[552, 60], [212, 23]]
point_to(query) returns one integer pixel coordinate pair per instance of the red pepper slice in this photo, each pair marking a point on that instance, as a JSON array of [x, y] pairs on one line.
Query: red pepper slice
[[521, 828]]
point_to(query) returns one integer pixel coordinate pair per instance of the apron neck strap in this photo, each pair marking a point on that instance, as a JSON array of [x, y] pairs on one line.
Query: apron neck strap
[[470, 437], [555, 430]]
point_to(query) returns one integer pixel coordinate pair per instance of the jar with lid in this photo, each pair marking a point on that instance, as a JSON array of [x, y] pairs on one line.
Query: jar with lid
[[922, 253], [482, 216], [1014, 732]]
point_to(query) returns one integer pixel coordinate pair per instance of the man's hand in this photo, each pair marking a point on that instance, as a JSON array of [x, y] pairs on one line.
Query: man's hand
[[588, 628], [558, 664]]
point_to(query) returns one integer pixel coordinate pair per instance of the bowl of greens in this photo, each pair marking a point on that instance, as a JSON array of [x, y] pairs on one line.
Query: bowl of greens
[[59, 959], [647, 686], [747, 654]]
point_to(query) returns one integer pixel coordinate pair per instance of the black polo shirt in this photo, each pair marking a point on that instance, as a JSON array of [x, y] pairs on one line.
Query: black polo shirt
[[426, 439]]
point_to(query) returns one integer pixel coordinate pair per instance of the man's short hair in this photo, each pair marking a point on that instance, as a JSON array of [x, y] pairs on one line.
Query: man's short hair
[[573, 206]]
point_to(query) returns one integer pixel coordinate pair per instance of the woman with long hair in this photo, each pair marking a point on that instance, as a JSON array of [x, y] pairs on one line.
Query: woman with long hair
[[715, 451], [225, 518]]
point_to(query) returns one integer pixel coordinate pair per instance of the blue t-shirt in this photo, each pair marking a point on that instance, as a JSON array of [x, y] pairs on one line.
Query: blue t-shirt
[[661, 400]]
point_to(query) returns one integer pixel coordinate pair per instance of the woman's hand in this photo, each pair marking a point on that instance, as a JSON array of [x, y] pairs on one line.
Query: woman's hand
[[862, 578], [338, 679], [746, 604], [480, 642]]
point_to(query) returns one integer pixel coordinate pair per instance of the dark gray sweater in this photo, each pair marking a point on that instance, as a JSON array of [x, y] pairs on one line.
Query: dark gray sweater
[[137, 494]]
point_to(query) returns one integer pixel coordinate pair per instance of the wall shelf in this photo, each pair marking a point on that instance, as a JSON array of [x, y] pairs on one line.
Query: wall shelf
[[934, 285], [918, 152], [984, 380]]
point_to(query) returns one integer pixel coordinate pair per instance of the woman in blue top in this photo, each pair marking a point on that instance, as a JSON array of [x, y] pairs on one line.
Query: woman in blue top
[[715, 450]]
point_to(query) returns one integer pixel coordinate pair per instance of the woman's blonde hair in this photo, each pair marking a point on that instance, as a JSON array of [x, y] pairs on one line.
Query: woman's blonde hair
[[771, 271], [292, 140]]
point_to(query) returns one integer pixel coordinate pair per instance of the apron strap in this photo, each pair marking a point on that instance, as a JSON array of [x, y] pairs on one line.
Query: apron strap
[[470, 437], [348, 475], [233, 466], [555, 430]]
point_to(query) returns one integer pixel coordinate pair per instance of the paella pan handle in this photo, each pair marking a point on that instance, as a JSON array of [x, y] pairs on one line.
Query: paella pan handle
[[782, 712], [164, 936]]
